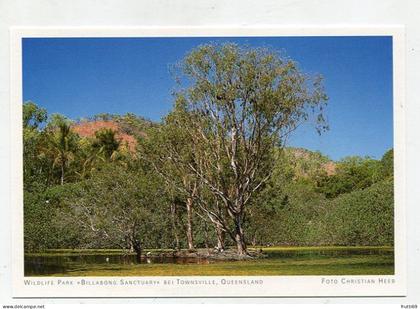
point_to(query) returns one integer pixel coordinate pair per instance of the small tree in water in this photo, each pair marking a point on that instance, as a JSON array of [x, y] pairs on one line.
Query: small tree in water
[[237, 105], [119, 207]]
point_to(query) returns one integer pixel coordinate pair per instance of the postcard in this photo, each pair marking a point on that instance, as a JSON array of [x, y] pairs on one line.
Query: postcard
[[208, 162]]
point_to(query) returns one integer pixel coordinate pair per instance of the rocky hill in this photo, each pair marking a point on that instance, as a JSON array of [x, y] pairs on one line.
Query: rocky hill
[[89, 128], [129, 128], [308, 163]]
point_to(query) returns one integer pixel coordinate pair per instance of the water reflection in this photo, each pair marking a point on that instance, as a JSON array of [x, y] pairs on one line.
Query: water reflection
[[46, 265], [316, 254]]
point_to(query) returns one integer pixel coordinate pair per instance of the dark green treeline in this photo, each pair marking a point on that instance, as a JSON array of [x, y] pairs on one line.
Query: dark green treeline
[[99, 192]]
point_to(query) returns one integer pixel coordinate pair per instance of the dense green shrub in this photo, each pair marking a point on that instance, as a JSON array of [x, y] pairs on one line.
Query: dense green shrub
[[363, 217], [46, 219], [38, 228]]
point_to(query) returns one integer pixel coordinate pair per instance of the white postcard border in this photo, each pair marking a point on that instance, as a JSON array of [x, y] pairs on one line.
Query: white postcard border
[[208, 286]]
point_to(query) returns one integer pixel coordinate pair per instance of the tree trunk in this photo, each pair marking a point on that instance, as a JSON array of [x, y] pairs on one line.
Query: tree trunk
[[62, 174], [137, 248], [206, 236], [220, 238], [254, 239], [173, 215], [189, 224], [239, 236]]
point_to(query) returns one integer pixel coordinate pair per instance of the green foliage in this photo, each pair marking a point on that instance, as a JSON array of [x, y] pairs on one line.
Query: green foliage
[[303, 163], [129, 123], [301, 216], [33, 115], [292, 211], [290, 217], [120, 207], [134, 125], [300, 205], [363, 217], [47, 221], [56, 121], [35, 168], [103, 117], [387, 164], [352, 173], [106, 143], [59, 145], [239, 103], [38, 217]]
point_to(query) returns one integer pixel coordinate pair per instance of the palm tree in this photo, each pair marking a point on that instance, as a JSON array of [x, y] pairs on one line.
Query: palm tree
[[60, 145], [105, 147], [107, 143]]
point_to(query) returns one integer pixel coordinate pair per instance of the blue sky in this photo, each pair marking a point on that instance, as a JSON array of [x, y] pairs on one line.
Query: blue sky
[[87, 76]]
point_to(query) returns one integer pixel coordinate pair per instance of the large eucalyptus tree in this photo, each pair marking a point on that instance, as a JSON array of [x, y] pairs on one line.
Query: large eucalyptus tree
[[235, 105]]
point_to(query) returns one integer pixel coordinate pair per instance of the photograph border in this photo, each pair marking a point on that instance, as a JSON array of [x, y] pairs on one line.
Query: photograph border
[[271, 286]]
